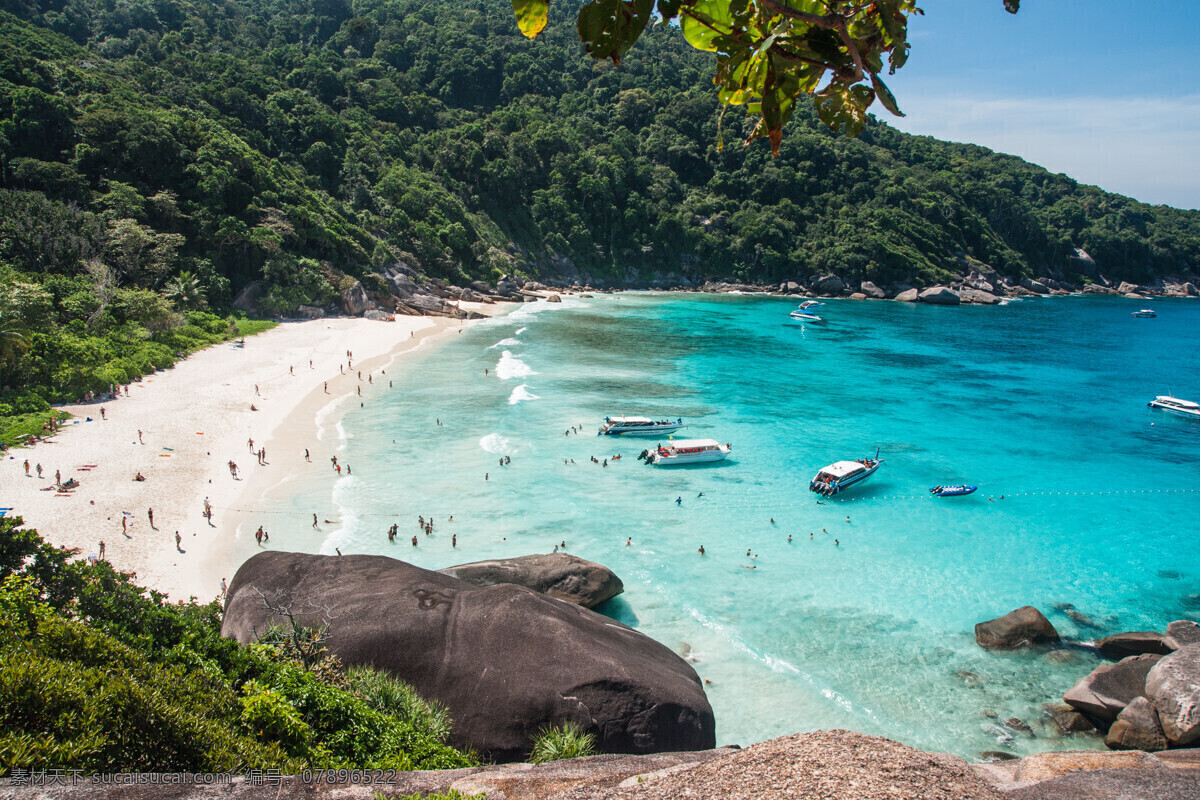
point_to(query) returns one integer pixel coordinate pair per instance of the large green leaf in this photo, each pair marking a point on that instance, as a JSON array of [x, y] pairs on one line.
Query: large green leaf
[[885, 96], [531, 15], [610, 27], [706, 24]]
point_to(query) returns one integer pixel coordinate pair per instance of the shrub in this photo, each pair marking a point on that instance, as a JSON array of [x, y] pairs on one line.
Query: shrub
[[556, 743], [392, 696]]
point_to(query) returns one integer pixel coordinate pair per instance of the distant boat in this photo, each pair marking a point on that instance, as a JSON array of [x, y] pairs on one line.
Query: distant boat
[[806, 316], [1167, 403], [952, 491], [638, 426], [687, 451], [841, 475], [807, 304], [1145, 312]]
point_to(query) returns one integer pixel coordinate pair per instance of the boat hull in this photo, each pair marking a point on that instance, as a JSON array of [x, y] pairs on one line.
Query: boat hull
[[684, 459], [802, 317], [845, 483], [954, 491], [657, 430], [1183, 412]]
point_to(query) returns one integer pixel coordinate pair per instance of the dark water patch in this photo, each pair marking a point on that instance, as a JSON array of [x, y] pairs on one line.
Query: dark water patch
[[618, 609], [618, 392], [1170, 574]]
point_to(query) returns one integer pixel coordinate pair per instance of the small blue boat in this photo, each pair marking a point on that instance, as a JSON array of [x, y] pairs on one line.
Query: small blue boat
[[952, 491]]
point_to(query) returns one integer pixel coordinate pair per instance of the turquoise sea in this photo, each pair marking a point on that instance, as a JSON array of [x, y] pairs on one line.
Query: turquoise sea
[[1088, 500]]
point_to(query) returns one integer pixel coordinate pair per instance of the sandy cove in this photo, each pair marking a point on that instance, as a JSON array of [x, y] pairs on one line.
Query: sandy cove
[[193, 420]]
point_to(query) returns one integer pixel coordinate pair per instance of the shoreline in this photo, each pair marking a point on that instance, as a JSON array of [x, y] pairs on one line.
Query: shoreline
[[192, 419]]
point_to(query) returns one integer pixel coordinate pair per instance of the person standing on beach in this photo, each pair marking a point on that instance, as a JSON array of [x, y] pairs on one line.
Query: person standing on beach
[[326, 387], [102, 416], [124, 523], [150, 514], [250, 445], [178, 542], [140, 437], [102, 550], [314, 521], [58, 476], [27, 468], [39, 471], [306, 456]]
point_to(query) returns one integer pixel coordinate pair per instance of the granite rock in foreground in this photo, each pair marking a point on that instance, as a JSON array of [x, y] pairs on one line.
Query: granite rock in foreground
[[504, 659], [1022, 627], [558, 575]]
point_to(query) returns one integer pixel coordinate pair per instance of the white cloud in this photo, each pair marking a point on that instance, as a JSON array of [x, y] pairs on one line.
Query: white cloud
[[1144, 147]]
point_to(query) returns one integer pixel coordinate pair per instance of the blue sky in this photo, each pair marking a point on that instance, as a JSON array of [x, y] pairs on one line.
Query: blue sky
[[1105, 91]]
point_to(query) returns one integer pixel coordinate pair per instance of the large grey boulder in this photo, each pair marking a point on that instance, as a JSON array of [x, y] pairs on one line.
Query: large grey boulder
[[1190, 289], [1137, 728], [907, 296], [1128, 288], [504, 659], [791, 287], [1082, 263], [558, 575], [1173, 686], [1020, 628], [940, 296], [827, 285], [310, 312], [1106, 691], [978, 296], [1037, 287], [871, 290], [1181, 633], [247, 299], [354, 300], [401, 282], [1132, 643]]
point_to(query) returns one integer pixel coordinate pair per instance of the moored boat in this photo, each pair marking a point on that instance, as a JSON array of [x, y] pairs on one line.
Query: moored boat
[[687, 451], [952, 491], [841, 475], [810, 304], [638, 426], [805, 316], [1185, 407], [1145, 312]]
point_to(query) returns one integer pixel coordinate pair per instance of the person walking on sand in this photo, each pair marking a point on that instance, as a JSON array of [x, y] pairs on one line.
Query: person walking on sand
[[27, 468], [140, 437], [223, 587], [58, 476], [39, 471], [306, 456], [178, 542], [150, 514], [124, 523], [102, 416], [250, 445], [326, 387]]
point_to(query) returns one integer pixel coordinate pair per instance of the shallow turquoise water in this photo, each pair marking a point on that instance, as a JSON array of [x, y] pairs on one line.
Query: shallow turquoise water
[[1041, 401]]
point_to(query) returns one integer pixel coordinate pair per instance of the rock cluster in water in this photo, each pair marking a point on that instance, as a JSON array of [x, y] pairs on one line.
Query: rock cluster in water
[[503, 659]]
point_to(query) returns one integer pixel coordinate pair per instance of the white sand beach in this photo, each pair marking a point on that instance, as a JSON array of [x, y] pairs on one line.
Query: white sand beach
[[181, 427]]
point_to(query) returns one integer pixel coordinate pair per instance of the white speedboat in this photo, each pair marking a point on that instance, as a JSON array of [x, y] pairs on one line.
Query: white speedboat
[[687, 451], [1145, 312], [806, 316], [807, 304], [841, 475], [638, 426], [1185, 407]]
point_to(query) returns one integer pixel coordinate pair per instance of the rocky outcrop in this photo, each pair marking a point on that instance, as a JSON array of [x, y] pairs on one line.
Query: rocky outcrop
[[247, 299], [826, 285], [354, 300], [1020, 628], [978, 296], [1173, 687], [907, 296], [558, 575], [791, 287], [1109, 688], [1181, 633], [1132, 643], [940, 296], [310, 312], [1069, 720], [1137, 728], [1190, 290], [1037, 287], [871, 290], [1128, 288], [503, 659]]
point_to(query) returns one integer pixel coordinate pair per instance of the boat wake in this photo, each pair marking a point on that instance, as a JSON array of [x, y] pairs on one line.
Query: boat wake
[[511, 366], [509, 342], [521, 393], [496, 444]]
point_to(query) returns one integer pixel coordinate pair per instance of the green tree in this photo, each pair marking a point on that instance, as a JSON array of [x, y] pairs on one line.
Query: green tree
[[185, 291], [14, 339]]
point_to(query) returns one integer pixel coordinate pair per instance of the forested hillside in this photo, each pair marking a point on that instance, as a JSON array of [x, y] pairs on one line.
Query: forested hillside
[[158, 155]]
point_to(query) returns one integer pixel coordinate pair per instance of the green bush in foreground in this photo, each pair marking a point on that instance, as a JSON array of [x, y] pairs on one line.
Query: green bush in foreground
[[556, 743], [98, 674]]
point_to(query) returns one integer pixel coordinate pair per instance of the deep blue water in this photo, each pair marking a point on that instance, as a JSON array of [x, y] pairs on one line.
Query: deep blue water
[[1041, 402]]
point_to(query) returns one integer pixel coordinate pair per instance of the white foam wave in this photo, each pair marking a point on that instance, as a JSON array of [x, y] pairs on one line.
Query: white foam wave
[[520, 331], [511, 366], [521, 393], [497, 444], [509, 342]]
